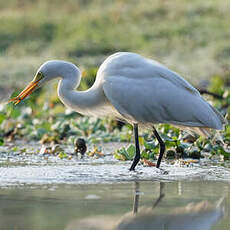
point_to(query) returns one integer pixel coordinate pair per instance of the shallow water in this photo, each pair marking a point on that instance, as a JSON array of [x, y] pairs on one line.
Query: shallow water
[[20, 168], [201, 205], [45, 192]]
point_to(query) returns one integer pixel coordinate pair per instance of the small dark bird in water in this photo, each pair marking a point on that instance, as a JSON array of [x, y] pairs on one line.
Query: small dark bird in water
[[80, 146]]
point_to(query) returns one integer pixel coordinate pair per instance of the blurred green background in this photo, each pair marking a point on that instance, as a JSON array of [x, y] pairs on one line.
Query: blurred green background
[[191, 37]]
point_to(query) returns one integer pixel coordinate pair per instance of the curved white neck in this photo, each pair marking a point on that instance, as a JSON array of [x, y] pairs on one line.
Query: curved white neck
[[89, 102]]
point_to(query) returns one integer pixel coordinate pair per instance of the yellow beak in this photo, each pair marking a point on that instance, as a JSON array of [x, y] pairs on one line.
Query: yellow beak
[[25, 93]]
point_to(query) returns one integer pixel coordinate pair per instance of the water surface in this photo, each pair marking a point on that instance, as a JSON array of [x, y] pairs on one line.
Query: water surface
[[131, 205], [39, 192], [28, 168]]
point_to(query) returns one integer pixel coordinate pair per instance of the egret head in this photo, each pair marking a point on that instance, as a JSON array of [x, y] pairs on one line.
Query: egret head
[[47, 71]]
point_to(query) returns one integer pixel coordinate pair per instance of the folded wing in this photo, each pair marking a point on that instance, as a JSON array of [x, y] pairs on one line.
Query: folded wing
[[158, 99]]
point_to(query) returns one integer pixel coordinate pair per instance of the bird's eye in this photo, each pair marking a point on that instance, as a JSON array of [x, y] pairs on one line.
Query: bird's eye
[[38, 76]]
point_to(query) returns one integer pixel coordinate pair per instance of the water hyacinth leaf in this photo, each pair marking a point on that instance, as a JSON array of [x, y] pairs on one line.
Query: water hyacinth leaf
[[152, 155], [165, 128], [120, 157], [94, 140], [170, 154], [1, 141], [125, 137], [185, 145], [131, 150], [199, 143], [14, 149], [149, 145], [63, 155], [217, 85], [2, 117], [141, 140], [123, 153], [215, 150], [227, 131], [226, 153], [171, 143], [126, 154], [144, 155], [176, 140], [166, 137], [98, 125]]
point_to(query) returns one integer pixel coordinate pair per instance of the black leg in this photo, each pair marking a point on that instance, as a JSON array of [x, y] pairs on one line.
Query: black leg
[[162, 147], [137, 155], [161, 196], [136, 197]]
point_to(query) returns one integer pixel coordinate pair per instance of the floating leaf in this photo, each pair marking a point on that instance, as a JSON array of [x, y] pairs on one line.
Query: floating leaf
[[131, 150], [2, 117], [1, 141], [149, 145], [144, 155], [63, 155], [120, 157], [141, 140]]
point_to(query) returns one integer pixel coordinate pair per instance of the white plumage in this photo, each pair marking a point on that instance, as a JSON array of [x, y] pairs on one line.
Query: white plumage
[[133, 88], [144, 91], [141, 91]]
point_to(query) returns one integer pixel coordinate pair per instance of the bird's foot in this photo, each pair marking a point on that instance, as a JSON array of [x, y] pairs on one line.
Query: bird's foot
[[162, 171], [131, 169], [135, 172]]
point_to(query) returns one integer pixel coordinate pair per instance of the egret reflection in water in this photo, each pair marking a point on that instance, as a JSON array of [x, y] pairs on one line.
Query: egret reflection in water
[[194, 216]]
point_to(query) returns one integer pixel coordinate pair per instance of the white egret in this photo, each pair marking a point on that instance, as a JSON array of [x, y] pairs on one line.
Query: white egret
[[134, 89], [202, 215]]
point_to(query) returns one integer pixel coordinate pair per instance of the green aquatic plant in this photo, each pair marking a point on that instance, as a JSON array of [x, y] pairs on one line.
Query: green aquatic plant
[[63, 155], [125, 153], [1, 141], [63, 126]]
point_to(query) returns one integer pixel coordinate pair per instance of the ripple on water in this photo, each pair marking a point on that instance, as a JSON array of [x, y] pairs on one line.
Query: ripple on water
[[103, 173], [31, 169]]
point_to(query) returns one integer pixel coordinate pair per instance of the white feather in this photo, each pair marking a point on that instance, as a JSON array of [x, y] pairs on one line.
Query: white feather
[[136, 89]]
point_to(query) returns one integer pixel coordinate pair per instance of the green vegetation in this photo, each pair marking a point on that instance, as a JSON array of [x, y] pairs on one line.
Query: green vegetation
[[191, 37], [43, 118]]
